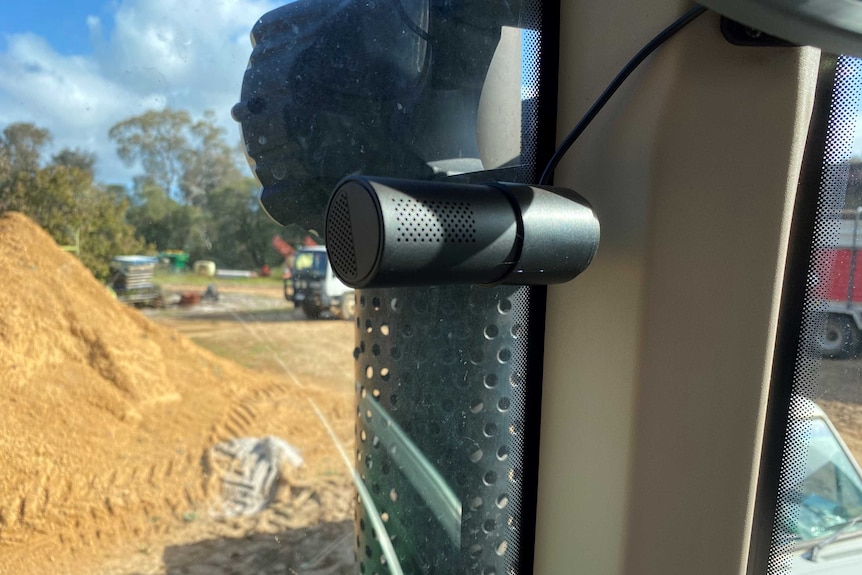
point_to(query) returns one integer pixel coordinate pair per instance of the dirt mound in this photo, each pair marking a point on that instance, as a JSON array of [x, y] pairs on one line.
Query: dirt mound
[[55, 312], [107, 417]]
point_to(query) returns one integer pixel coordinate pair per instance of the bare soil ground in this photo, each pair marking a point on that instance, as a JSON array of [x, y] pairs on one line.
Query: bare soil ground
[[261, 331], [109, 419], [839, 391]]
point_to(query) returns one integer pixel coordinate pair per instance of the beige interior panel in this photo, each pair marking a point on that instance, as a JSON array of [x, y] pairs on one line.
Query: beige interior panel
[[657, 358]]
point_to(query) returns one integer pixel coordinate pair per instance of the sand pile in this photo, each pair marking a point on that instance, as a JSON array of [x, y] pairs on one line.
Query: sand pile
[[107, 418], [55, 314]]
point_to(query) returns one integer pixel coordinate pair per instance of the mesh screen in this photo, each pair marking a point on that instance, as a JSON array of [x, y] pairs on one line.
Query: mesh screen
[[432, 221], [441, 386], [832, 188]]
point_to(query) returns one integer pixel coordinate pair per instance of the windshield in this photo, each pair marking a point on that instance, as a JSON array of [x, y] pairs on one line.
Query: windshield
[[310, 263], [202, 414], [819, 490]]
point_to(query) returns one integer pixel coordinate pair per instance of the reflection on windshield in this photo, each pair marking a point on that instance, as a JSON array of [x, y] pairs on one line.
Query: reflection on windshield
[[831, 494]]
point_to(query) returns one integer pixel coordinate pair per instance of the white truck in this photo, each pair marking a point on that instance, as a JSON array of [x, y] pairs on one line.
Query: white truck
[[312, 286], [824, 512]]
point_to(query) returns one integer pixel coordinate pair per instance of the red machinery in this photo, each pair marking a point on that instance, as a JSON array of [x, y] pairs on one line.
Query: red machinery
[[843, 292]]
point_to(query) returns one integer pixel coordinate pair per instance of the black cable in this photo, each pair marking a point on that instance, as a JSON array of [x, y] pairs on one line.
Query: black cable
[[678, 25]]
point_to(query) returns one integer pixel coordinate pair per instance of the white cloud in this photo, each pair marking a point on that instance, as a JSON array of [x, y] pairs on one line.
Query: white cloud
[[189, 54]]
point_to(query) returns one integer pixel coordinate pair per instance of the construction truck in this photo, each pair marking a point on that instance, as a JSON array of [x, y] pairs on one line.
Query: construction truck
[[312, 286], [842, 291]]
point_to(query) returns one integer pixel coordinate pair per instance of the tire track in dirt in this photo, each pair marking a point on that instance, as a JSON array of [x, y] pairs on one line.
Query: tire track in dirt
[[279, 389], [97, 511]]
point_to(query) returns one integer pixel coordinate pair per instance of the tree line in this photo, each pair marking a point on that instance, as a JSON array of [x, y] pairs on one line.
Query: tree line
[[190, 194]]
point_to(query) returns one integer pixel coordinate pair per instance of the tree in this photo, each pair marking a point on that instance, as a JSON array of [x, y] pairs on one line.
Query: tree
[[191, 194], [65, 201], [158, 139], [50, 197], [188, 159], [63, 198], [240, 231], [162, 221], [22, 145], [104, 231], [77, 158], [209, 162]]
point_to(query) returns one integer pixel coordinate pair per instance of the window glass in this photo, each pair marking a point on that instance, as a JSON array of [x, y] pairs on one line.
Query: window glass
[[184, 385], [167, 405], [831, 493], [817, 525], [310, 261]]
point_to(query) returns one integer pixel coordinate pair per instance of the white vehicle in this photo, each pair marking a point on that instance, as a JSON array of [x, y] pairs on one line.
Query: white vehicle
[[825, 515], [315, 288]]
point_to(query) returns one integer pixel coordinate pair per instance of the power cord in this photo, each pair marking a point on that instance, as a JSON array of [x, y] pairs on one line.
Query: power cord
[[678, 25]]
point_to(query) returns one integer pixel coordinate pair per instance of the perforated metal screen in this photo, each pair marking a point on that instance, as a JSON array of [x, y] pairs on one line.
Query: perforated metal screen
[[447, 388], [441, 387]]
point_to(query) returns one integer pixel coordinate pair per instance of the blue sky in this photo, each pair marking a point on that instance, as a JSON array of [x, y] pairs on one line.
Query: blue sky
[[63, 23], [77, 67]]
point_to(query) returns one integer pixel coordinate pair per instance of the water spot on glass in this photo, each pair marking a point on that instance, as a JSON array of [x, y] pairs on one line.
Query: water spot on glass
[[279, 171], [262, 140]]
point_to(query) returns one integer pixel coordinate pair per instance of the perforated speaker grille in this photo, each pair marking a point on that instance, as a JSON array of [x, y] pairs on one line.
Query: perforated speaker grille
[[434, 221], [342, 252]]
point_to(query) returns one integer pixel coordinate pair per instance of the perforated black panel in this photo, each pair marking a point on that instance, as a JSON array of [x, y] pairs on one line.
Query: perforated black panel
[[442, 386]]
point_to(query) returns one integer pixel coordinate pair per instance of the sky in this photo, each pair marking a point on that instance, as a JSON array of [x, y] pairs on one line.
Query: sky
[[77, 67]]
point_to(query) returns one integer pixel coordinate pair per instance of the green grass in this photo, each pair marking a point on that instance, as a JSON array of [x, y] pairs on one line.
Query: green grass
[[166, 278]]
